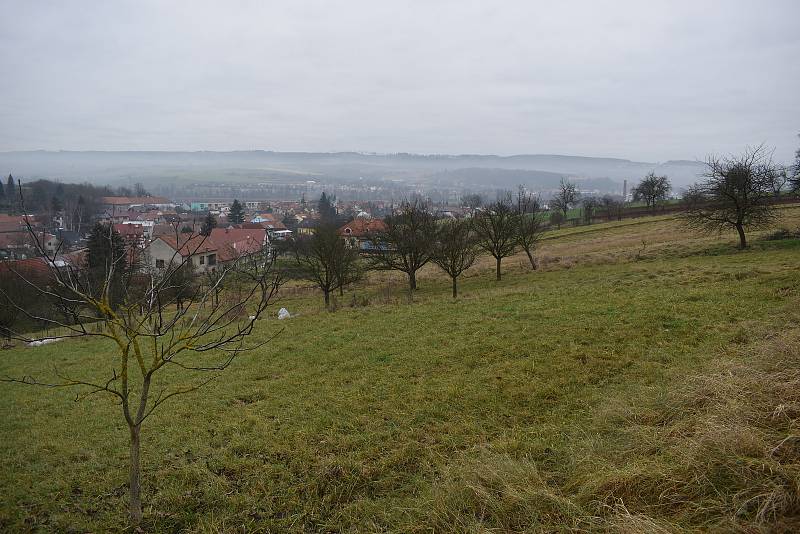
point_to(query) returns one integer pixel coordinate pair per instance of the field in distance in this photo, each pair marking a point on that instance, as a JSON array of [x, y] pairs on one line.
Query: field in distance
[[644, 379]]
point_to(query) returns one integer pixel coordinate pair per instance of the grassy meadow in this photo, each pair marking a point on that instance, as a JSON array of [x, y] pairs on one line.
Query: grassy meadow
[[644, 379]]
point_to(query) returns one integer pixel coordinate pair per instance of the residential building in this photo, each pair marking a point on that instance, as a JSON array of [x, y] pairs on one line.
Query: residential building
[[356, 233]]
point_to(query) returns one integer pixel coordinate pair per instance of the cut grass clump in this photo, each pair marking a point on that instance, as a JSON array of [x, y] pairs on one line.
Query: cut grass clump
[[495, 492]]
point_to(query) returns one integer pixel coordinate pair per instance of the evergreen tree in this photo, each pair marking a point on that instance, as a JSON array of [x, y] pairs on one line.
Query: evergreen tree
[[11, 194], [107, 263], [327, 209], [236, 215], [209, 224], [2, 195]]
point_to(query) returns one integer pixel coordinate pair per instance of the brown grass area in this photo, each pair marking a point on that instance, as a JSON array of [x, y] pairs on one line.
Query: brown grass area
[[720, 453], [623, 241]]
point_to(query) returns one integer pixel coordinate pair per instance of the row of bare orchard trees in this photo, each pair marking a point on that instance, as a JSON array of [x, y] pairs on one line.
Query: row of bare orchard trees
[[413, 237], [738, 193]]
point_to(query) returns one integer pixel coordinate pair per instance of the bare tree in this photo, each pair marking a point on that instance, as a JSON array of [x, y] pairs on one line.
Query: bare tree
[[737, 194], [611, 207], [566, 198], [496, 229], [150, 335], [529, 223], [472, 201], [590, 207], [406, 243], [325, 259], [780, 181], [455, 250], [652, 190], [556, 218]]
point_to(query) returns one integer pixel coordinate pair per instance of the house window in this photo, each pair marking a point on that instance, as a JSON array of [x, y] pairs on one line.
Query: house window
[[212, 259], [159, 264], [202, 260]]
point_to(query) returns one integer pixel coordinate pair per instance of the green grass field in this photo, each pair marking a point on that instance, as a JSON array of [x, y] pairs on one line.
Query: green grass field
[[616, 389]]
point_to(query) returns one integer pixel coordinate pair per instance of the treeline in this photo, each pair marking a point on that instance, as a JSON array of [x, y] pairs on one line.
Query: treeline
[[77, 204]]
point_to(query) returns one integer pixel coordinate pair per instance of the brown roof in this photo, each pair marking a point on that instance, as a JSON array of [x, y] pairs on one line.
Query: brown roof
[[13, 223], [38, 267], [362, 227], [228, 243], [126, 230], [235, 242], [196, 244]]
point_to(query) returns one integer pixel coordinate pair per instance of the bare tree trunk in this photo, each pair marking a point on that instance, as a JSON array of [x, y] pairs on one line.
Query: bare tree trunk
[[135, 484], [455, 287], [531, 259], [742, 238], [412, 280], [327, 297], [498, 268], [341, 291]]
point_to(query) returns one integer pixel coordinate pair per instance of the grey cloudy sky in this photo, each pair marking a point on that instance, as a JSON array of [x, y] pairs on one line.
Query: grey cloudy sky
[[642, 79]]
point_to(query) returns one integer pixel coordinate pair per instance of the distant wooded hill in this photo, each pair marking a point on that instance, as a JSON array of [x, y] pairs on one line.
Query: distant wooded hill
[[255, 166]]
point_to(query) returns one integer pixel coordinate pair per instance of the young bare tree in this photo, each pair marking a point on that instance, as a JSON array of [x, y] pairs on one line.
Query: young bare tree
[[565, 198], [148, 332], [455, 250], [611, 207], [406, 244], [780, 181], [590, 206], [529, 224], [556, 218], [325, 259], [737, 194], [652, 190], [497, 229]]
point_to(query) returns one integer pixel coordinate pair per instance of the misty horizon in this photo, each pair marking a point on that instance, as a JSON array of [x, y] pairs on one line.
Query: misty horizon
[[645, 82]]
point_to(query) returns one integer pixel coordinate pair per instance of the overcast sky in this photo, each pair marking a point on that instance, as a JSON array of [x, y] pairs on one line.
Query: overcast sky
[[642, 80]]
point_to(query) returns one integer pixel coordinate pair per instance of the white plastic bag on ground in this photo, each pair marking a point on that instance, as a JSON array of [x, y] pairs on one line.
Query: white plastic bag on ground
[[283, 313], [40, 342]]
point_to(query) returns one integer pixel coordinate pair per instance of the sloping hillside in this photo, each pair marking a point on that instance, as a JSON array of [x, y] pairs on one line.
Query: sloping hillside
[[623, 388]]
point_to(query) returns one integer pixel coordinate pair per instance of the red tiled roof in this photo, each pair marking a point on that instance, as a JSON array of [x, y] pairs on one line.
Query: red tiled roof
[[228, 243], [197, 244], [13, 223], [39, 267], [235, 242], [126, 230], [362, 227]]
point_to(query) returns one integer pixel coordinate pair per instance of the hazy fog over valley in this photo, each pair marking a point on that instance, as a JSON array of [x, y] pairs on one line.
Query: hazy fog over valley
[[326, 85]]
